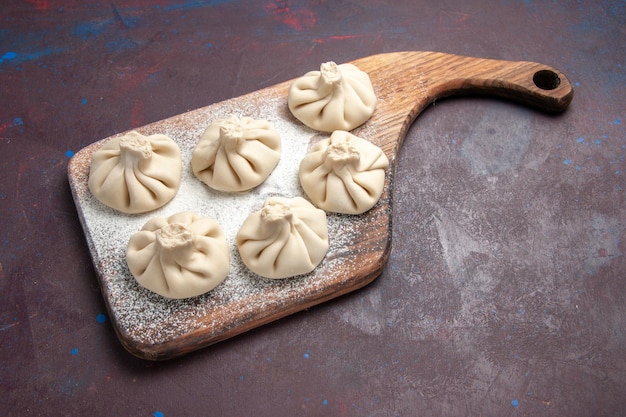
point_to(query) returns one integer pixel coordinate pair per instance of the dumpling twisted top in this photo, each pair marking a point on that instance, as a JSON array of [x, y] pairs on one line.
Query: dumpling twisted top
[[287, 237], [180, 256], [344, 173], [236, 154], [136, 173], [337, 97]]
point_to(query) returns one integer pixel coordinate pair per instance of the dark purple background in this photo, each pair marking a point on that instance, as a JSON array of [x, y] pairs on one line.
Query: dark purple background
[[506, 286]]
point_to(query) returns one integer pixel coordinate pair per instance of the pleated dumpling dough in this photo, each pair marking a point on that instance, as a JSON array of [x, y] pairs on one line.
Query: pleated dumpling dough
[[136, 173], [236, 154], [287, 237], [344, 173], [337, 97], [180, 256]]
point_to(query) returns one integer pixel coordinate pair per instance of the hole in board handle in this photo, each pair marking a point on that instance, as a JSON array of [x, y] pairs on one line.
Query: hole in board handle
[[546, 79]]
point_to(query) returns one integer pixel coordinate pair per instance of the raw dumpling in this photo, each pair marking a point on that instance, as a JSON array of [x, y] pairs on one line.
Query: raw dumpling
[[136, 173], [287, 237], [236, 154], [344, 173], [180, 256], [337, 97]]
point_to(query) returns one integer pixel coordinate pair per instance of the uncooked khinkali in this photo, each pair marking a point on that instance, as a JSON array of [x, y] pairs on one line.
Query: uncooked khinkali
[[337, 97], [287, 237], [236, 154], [136, 173], [180, 256], [344, 173]]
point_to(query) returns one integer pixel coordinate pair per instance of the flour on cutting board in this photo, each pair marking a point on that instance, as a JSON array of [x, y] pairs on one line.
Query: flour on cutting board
[[142, 313]]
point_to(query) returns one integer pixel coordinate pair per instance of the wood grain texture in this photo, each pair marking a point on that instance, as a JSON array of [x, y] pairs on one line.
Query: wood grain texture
[[405, 84], [408, 82]]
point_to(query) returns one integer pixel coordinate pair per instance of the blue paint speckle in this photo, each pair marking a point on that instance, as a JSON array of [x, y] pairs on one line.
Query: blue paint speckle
[[515, 403], [158, 414], [567, 162], [8, 56], [69, 153], [101, 318], [130, 21], [241, 377], [598, 141], [208, 45], [617, 122], [90, 29], [307, 354], [193, 4], [18, 121], [74, 351], [580, 140], [83, 101], [31, 56], [325, 402]]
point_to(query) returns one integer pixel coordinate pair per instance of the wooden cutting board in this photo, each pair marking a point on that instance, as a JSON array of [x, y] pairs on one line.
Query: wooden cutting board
[[153, 327]]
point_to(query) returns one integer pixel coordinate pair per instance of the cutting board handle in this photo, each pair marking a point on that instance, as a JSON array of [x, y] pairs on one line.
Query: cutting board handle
[[408, 82], [530, 83], [433, 75]]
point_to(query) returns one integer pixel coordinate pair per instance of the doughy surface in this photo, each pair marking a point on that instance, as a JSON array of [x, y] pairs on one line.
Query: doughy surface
[[344, 173], [180, 256], [135, 173], [287, 237], [236, 154], [337, 97]]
